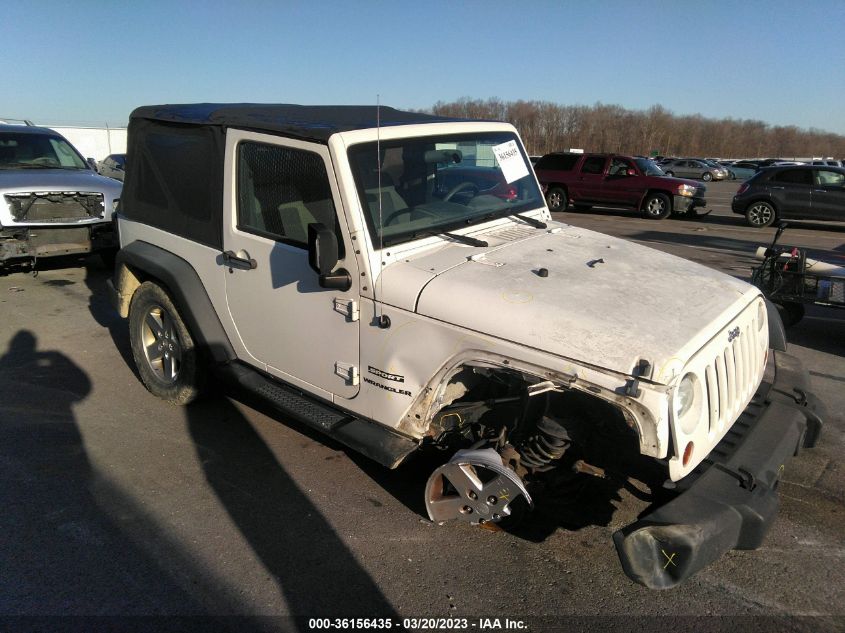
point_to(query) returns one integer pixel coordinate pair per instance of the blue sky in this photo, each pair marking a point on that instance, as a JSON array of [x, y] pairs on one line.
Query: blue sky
[[93, 62]]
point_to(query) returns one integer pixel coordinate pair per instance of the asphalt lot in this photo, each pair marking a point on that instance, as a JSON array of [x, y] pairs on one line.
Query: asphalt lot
[[115, 503]]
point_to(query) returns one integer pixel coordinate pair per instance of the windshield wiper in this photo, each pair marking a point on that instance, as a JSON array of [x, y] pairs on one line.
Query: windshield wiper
[[537, 224], [466, 239]]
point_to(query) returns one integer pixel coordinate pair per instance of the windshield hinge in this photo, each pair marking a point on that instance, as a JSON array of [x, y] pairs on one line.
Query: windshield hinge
[[348, 372], [348, 308]]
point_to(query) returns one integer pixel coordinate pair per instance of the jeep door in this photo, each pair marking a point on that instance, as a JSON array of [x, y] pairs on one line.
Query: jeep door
[[587, 186], [287, 323], [829, 195]]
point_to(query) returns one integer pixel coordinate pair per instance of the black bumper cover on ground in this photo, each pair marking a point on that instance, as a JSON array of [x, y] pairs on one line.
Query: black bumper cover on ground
[[730, 500]]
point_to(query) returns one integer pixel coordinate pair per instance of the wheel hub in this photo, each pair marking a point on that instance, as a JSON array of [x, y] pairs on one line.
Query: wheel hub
[[473, 487]]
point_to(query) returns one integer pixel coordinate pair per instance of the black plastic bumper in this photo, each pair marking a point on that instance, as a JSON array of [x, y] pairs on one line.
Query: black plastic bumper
[[730, 500]]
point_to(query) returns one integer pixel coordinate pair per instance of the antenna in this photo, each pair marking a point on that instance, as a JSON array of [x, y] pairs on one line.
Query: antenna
[[383, 321]]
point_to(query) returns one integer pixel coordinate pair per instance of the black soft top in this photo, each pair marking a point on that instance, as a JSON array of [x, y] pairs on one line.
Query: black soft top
[[313, 123]]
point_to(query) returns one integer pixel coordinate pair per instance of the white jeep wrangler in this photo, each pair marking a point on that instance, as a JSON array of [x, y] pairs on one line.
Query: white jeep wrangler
[[395, 280]]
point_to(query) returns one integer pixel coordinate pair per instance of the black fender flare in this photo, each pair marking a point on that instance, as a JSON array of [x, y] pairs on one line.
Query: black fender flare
[[187, 291], [777, 332]]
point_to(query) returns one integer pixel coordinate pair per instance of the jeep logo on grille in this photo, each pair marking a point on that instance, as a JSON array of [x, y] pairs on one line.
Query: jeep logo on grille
[[734, 333]]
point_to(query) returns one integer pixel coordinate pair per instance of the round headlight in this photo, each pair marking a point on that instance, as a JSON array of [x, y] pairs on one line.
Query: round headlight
[[688, 403], [761, 315]]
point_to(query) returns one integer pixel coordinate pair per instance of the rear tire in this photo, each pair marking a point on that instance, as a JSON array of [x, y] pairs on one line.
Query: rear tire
[[760, 214], [657, 206], [670, 173], [164, 351], [557, 199]]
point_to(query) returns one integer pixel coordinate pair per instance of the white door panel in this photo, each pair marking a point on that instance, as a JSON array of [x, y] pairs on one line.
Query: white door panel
[[283, 317]]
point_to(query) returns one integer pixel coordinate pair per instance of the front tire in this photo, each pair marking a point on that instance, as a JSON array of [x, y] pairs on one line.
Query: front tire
[[760, 214], [707, 177], [671, 174], [164, 351], [657, 206], [557, 199]]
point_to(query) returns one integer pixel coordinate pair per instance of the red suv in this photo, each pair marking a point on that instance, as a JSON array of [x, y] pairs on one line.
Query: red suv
[[612, 180]]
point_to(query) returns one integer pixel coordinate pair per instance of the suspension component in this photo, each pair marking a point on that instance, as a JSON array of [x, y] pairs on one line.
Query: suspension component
[[547, 444], [474, 487]]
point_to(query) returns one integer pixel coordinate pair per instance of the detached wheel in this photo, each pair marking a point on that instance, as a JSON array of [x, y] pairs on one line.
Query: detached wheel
[[760, 214], [707, 177], [164, 352], [557, 199], [657, 206]]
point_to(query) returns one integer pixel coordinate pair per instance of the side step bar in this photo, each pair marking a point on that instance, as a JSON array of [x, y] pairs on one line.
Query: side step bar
[[373, 440]]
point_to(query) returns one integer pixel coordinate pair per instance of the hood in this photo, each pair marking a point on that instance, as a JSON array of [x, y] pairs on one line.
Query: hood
[[18, 180], [681, 181], [605, 302]]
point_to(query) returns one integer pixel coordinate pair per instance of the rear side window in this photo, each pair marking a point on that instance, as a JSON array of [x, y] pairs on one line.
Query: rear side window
[[557, 162], [834, 178], [794, 177], [593, 165], [281, 191]]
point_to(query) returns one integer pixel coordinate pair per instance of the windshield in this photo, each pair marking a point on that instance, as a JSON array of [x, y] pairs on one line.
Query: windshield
[[37, 151], [434, 184], [649, 167]]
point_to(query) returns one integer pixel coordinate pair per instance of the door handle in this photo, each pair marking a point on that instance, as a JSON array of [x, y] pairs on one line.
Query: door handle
[[777, 187], [232, 260], [819, 190]]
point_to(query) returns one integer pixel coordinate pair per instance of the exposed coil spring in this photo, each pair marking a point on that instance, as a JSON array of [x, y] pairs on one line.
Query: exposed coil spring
[[547, 444]]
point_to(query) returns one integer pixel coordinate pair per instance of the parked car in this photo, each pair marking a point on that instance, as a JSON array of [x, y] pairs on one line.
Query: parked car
[[54, 203], [612, 180], [828, 163], [743, 170], [519, 350], [806, 192], [113, 166], [693, 168]]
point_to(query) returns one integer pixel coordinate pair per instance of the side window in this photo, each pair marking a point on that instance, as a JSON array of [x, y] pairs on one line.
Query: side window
[[281, 191], [619, 167], [593, 165], [794, 176], [834, 178]]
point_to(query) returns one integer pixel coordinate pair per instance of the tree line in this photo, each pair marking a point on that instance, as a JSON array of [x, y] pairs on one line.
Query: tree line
[[547, 127]]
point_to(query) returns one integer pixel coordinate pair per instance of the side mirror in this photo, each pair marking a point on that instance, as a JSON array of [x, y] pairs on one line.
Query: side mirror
[[323, 256]]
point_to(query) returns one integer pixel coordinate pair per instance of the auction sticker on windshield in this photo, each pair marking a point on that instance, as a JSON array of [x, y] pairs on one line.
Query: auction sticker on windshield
[[511, 161]]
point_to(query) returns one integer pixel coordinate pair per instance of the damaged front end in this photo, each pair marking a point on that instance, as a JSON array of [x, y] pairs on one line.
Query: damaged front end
[[50, 224], [517, 439]]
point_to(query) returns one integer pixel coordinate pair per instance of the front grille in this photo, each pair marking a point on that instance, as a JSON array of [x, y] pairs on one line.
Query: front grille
[[55, 206], [732, 374]]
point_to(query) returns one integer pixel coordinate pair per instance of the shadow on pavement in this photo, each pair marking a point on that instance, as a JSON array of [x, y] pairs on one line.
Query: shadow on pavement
[[314, 569], [99, 304], [60, 553]]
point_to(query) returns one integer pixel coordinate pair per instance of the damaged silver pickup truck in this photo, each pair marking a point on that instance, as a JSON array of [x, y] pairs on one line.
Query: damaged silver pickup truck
[[396, 281], [53, 203]]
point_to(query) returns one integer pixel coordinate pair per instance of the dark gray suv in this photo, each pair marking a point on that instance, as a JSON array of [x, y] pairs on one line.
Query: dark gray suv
[[801, 192]]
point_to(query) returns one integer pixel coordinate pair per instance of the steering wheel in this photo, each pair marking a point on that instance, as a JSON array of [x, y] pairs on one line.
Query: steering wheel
[[390, 218], [458, 188]]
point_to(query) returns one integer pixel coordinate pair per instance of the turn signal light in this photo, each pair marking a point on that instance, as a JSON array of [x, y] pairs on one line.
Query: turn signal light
[[688, 453]]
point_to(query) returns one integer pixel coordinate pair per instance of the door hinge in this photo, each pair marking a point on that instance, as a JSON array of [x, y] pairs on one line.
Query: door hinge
[[348, 308], [348, 372]]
